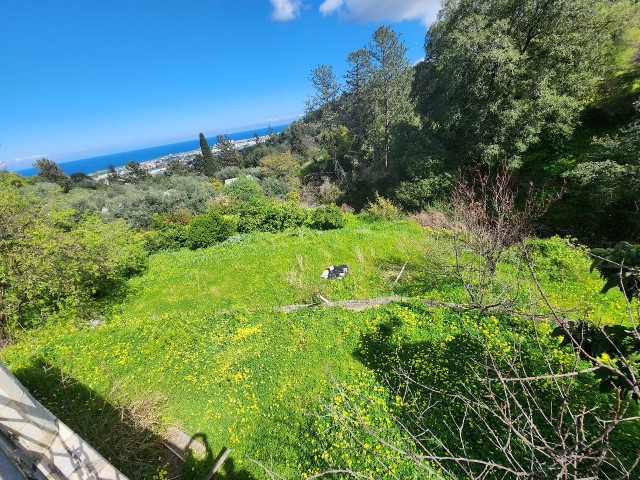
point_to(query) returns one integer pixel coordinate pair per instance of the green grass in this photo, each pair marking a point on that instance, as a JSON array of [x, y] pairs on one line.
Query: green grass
[[267, 270], [247, 379]]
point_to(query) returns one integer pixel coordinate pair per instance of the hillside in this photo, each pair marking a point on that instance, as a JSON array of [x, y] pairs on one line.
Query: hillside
[[491, 189], [249, 378]]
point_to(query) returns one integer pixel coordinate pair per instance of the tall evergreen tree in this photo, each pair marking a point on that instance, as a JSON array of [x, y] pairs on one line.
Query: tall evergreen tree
[[296, 140], [135, 173], [325, 99], [229, 156], [210, 164], [392, 83], [359, 108], [112, 174]]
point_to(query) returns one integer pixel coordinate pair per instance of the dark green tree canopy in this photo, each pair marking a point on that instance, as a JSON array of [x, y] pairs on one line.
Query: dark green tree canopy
[[501, 74], [229, 156], [50, 171], [208, 165], [135, 173]]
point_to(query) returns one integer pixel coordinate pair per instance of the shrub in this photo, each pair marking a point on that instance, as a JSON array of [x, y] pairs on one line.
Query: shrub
[[269, 216], [280, 165], [51, 263], [275, 187], [244, 189], [329, 192], [169, 232], [383, 209], [228, 172], [292, 215], [432, 218], [419, 194], [138, 203], [208, 229], [326, 218]]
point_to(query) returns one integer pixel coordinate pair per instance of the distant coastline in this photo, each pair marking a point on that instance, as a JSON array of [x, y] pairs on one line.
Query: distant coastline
[[95, 165]]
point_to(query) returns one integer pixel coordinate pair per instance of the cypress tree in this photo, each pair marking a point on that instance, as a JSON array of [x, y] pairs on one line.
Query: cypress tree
[[210, 163]]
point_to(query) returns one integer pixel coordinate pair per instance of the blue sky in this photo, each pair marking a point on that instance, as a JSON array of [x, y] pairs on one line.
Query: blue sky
[[87, 77]]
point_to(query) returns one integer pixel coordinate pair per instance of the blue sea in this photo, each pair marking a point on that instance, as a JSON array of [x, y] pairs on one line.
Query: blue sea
[[94, 164]]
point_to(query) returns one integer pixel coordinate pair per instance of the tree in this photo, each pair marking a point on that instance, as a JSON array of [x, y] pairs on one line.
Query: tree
[[359, 110], [176, 167], [50, 171], [112, 175], [500, 75], [325, 99], [229, 156], [83, 180], [391, 83], [135, 173], [209, 165], [297, 139], [282, 165]]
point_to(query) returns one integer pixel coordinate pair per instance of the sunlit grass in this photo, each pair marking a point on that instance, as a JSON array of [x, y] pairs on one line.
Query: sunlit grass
[[247, 379]]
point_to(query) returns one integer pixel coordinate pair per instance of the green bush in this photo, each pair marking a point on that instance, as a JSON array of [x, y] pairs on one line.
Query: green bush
[[244, 189], [269, 216], [169, 232], [326, 218], [416, 195], [383, 209], [228, 172], [208, 229], [292, 215], [138, 203], [275, 187], [53, 263]]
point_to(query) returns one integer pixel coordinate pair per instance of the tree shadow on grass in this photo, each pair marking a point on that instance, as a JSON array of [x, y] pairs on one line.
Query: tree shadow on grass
[[453, 388], [416, 280], [121, 434], [200, 467], [434, 367]]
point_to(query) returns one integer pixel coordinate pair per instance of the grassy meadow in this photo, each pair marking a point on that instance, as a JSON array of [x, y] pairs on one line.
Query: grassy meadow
[[198, 337]]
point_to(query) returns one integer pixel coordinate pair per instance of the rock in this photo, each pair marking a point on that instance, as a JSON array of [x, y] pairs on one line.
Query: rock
[[335, 272], [96, 321]]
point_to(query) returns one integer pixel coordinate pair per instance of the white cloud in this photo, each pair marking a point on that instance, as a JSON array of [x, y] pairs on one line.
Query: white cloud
[[380, 10], [285, 10], [330, 6]]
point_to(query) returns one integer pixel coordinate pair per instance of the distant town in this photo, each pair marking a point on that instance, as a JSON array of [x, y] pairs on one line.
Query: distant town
[[159, 165]]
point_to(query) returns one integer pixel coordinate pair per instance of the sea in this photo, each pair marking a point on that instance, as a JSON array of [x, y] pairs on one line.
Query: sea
[[95, 164]]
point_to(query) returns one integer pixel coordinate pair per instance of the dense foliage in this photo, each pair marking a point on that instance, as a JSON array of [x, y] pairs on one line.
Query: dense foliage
[[498, 381], [272, 367], [208, 229], [51, 260]]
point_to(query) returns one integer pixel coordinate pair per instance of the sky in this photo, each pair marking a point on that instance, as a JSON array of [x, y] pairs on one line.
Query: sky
[[82, 78]]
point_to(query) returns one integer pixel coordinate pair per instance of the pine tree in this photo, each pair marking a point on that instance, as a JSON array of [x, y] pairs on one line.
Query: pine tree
[[50, 171], [391, 82], [134, 172], [359, 108], [325, 99], [112, 174], [229, 156]]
